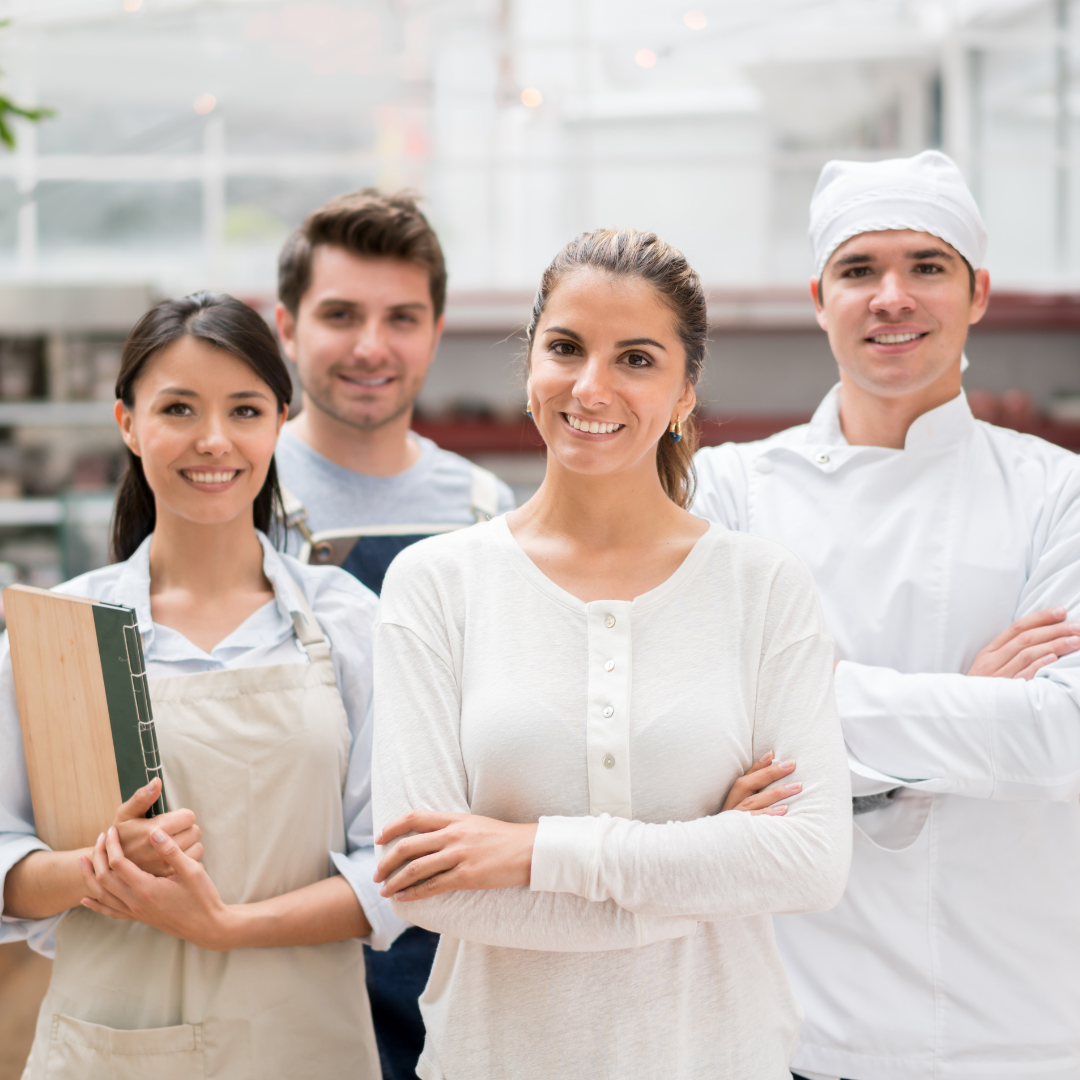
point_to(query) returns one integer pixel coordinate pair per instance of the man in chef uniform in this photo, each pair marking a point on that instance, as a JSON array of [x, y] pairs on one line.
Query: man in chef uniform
[[947, 555]]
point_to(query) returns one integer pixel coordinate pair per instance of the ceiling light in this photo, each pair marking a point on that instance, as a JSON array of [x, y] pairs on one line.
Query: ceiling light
[[696, 20], [132, 5], [646, 58], [205, 103], [531, 98]]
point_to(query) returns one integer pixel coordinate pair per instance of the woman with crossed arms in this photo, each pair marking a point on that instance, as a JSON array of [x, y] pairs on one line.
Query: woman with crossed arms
[[564, 699], [246, 965]]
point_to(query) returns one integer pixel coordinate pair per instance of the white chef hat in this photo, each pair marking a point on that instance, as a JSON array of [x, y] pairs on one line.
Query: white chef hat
[[926, 193]]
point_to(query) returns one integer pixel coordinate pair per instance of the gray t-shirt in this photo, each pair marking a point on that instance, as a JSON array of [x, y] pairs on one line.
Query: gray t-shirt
[[436, 490]]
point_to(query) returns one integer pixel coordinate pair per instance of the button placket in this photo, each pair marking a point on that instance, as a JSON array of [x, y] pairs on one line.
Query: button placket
[[608, 708]]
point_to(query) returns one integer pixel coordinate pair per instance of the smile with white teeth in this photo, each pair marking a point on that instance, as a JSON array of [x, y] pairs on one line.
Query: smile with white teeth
[[381, 380], [210, 477], [594, 427], [894, 339]]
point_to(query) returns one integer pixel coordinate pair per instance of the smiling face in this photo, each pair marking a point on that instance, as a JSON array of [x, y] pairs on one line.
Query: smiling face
[[204, 426], [363, 336], [897, 305], [607, 373]]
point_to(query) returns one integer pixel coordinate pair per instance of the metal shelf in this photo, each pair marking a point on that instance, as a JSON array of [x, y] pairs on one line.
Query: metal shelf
[[56, 413], [89, 509]]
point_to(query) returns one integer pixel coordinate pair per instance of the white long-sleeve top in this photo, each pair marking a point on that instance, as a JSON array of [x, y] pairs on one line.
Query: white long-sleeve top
[[954, 951], [643, 947], [345, 610]]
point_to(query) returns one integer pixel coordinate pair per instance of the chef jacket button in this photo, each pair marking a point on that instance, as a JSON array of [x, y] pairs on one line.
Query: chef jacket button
[[609, 621], [764, 465], [822, 458], [610, 665], [609, 711], [609, 762]]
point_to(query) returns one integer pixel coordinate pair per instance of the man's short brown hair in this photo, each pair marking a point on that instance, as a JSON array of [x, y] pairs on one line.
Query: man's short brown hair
[[365, 222]]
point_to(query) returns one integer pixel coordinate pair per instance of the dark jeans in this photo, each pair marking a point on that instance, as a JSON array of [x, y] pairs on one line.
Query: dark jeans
[[395, 980]]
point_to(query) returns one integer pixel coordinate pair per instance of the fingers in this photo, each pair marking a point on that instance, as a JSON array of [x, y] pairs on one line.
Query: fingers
[[1043, 654], [105, 909], [175, 821], [765, 799], [412, 847], [1035, 666], [1045, 617], [169, 851], [415, 821], [186, 839], [140, 802], [420, 870], [758, 777], [109, 886]]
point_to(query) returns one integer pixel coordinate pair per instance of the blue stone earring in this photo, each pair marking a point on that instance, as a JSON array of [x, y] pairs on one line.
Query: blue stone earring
[[675, 431], [528, 409]]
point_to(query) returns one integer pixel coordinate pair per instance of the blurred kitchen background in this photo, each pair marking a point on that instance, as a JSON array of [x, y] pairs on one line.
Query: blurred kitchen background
[[190, 135]]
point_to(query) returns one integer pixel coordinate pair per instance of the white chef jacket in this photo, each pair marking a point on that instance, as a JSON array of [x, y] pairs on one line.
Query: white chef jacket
[[956, 949], [346, 612]]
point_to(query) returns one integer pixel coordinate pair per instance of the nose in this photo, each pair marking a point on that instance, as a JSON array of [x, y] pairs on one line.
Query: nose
[[593, 385], [212, 438], [891, 298], [370, 343]]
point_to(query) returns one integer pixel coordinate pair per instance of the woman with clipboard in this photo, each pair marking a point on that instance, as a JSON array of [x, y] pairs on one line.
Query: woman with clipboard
[[222, 940]]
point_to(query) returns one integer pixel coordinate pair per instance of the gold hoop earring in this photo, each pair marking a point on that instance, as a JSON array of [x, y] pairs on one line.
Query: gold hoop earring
[[675, 431]]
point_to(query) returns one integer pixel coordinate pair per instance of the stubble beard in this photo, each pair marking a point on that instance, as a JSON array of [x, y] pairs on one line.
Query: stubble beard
[[324, 402]]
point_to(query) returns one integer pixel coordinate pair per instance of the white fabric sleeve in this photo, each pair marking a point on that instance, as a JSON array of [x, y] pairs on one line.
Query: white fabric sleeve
[[729, 865], [986, 738], [17, 836], [722, 486], [347, 617], [418, 765]]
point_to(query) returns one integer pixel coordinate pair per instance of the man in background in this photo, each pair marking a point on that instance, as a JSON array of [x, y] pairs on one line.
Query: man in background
[[947, 555], [362, 288]]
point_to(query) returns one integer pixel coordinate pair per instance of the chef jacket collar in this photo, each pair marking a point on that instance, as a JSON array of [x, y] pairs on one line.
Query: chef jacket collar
[[133, 585], [943, 426]]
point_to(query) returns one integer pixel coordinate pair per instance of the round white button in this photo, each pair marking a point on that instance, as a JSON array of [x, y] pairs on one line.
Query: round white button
[[609, 762], [764, 465], [822, 458], [610, 665], [609, 621], [609, 711]]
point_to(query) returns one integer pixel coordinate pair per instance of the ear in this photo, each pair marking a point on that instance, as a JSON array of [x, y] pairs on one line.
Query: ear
[[126, 422], [286, 328], [981, 299], [687, 400], [282, 417], [440, 326], [819, 307]]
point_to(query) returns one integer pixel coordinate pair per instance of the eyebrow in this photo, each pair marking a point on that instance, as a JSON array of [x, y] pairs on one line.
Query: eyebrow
[[338, 302], [180, 391], [618, 344], [858, 259]]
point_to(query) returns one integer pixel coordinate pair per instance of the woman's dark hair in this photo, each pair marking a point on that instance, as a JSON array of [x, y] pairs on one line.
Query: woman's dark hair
[[228, 324], [629, 253]]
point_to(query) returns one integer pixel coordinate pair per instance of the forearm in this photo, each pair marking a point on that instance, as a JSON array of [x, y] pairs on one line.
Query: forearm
[[989, 738], [43, 884], [540, 921], [314, 915]]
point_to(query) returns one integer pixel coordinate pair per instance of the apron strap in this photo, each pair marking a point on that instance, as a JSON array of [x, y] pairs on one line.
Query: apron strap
[[308, 631]]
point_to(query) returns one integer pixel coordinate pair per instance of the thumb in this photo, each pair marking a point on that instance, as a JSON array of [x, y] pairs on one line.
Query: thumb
[[169, 850], [140, 802]]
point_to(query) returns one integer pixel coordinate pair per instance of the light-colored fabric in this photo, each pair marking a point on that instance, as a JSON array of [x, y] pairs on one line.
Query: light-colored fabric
[[438, 488], [926, 193], [261, 755], [953, 951], [345, 610], [643, 948]]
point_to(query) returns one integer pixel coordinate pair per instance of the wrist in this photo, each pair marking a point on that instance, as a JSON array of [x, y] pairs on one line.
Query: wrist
[[232, 928]]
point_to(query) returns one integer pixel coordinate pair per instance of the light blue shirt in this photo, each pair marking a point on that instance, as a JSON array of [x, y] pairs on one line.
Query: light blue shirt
[[436, 490], [345, 610]]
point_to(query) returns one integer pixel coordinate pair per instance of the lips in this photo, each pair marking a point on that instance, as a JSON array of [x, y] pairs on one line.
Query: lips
[[371, 382], [594, 427]]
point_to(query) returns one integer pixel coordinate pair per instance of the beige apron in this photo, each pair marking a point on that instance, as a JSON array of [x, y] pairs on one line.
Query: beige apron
[[260, 755]]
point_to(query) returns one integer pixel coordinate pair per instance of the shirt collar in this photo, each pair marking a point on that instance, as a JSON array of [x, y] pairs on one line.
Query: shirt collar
[[947, 424], [133, 586]]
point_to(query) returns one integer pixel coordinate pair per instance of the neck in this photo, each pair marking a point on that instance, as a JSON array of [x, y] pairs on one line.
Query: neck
[[205, 561], [378, 451], [627, 509], [868, 418]]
